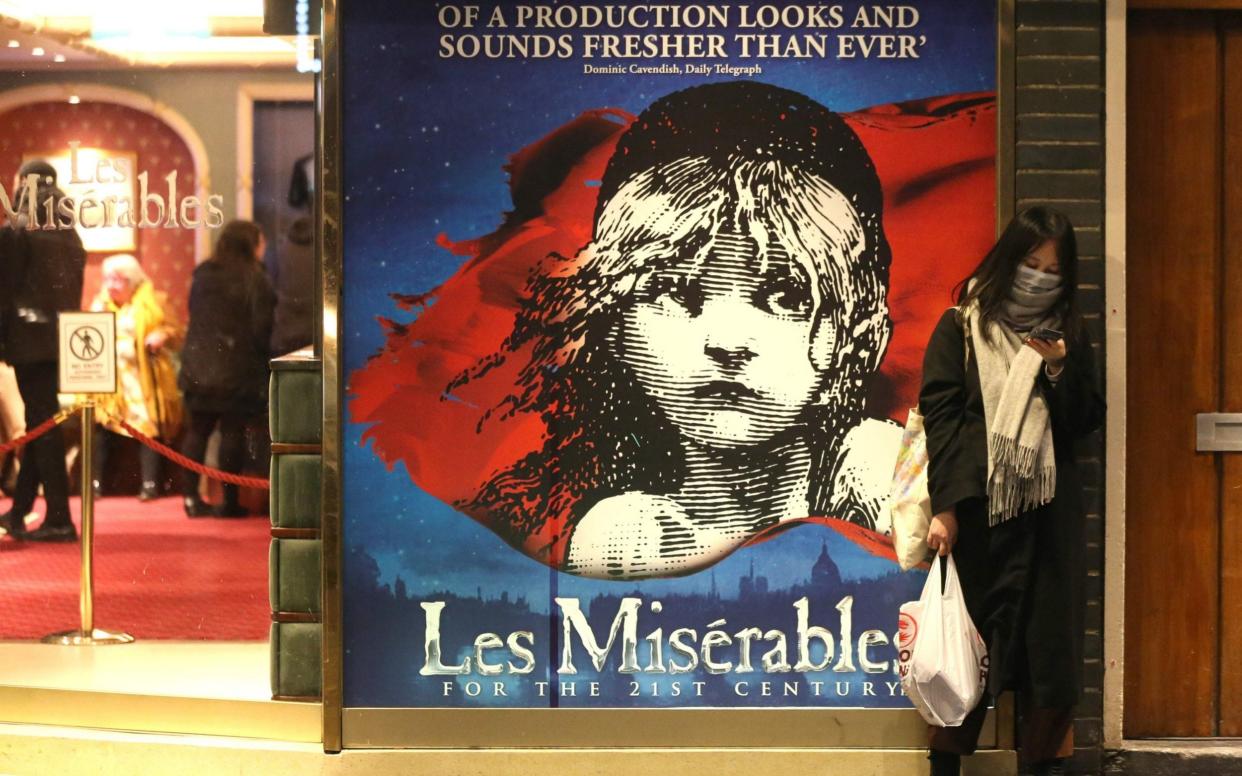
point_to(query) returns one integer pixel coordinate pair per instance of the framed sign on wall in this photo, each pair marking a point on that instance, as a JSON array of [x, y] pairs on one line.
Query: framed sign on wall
[[632, 301]]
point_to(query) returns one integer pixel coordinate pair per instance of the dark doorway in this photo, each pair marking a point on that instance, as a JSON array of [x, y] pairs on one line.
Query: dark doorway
[[284, 175]]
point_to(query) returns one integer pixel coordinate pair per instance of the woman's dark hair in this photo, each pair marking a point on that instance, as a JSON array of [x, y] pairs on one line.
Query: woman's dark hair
[[238, 243], [994, 276]]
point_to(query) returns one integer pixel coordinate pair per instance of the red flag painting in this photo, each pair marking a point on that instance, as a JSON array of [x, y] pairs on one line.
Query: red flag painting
[[694, 327]]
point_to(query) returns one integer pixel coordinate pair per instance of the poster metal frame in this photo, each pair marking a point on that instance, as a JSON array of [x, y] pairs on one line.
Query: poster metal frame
[[575, 728]]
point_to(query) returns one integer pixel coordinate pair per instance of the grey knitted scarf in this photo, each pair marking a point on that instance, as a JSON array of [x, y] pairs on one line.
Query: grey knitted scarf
[[1022, 470]]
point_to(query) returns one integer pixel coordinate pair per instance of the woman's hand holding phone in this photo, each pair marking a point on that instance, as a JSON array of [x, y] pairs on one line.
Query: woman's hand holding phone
[[1052, 351]]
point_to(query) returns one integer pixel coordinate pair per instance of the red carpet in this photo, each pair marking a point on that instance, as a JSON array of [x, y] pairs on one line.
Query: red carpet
[[158, 575]]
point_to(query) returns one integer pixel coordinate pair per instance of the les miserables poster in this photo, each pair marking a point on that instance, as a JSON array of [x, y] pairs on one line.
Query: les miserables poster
[[635, 300]]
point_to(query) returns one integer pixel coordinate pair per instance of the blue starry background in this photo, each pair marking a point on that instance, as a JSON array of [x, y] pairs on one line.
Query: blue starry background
[[425, 140]]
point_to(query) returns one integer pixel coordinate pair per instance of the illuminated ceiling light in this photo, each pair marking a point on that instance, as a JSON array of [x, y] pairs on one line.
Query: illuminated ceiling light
[[14, 44], [87, 7], [237, 45], [150, 21], [58, 58], [74, 99], [37, 51]]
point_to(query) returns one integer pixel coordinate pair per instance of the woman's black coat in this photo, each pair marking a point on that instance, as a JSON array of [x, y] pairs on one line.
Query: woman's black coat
[[1024, 579], [224, 363]]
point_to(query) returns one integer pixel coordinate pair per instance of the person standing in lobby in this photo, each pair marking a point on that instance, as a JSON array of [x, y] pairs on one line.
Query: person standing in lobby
[[147, 397], [40, 276], [224, 368]]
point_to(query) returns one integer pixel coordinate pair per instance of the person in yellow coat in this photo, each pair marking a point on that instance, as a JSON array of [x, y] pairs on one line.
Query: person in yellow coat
[[147, 336]]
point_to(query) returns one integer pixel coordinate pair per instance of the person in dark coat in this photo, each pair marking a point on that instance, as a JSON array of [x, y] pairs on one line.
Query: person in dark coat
[[1002, 409], [294, 280], [224, 362], [40, 275]]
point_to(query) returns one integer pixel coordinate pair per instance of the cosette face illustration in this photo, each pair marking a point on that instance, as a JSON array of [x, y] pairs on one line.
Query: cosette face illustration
[[690, 370], [725, 348], [689, 359]]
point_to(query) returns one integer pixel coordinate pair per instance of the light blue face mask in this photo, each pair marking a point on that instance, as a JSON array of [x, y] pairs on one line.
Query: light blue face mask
[[1032, 281], [1031, 299]]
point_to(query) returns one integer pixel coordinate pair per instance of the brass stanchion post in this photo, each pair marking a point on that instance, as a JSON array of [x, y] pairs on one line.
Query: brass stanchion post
[[88, 633]]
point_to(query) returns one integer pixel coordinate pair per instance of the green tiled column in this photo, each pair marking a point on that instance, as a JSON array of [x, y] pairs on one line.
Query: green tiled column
[[294, 557]]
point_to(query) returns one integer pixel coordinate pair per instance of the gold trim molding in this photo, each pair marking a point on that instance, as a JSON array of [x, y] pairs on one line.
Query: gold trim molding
[[29, 749], [726, 728], [330, 245], [276, 720]]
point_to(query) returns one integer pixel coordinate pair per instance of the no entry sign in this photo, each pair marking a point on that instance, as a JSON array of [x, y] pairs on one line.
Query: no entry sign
[[87, 352]]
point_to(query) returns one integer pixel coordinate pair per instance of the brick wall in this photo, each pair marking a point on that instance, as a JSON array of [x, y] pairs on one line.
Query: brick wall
[[1059, 76]]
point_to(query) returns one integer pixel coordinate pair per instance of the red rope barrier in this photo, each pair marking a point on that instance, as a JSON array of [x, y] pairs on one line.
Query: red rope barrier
[[39, 430], [164, 450], [194, 466]]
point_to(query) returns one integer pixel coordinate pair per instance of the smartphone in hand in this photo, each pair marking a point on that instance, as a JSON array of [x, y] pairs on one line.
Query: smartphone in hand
[[1046, 334]]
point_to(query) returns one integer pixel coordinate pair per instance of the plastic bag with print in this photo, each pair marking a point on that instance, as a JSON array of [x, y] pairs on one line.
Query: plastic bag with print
[[943, 661]]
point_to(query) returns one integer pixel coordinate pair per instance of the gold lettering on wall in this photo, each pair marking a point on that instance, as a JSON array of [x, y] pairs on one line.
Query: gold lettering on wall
[[104, 196]]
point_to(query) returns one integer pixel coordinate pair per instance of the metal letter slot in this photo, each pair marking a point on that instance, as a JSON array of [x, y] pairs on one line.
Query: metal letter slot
[[1218, 431]]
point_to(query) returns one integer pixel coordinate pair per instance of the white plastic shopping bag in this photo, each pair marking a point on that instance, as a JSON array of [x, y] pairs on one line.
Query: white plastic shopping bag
[[909, 501], [942, 660]]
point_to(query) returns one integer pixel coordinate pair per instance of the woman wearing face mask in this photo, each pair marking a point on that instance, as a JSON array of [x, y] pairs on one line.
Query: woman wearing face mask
[[1002, 409]]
